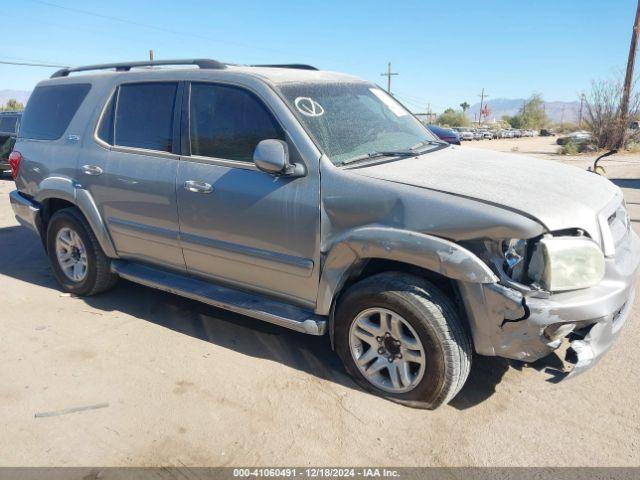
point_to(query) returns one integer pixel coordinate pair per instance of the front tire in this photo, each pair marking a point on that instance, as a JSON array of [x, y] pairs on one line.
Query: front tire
[[78, 262], [401, 338]]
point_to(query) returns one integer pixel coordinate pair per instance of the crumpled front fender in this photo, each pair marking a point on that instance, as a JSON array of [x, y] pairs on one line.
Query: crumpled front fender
[[425, 251]]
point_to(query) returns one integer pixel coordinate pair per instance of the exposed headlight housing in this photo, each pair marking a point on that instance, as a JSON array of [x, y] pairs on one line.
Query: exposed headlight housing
[[566, 263], [515, 253]]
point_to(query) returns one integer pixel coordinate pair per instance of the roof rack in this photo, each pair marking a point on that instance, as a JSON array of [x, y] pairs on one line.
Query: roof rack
[[297, 66], [126, 66]]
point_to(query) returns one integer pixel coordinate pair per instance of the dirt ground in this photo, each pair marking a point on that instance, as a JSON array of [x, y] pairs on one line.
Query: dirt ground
[[160, 380]]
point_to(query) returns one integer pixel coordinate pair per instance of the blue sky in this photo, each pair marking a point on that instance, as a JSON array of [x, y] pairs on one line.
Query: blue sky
[[445, 51]]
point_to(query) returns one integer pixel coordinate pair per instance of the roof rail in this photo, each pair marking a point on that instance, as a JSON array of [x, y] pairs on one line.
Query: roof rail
[[126, 66], [297, 66]]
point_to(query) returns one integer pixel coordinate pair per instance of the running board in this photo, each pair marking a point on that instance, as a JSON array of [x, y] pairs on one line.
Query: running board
[[252, 305]]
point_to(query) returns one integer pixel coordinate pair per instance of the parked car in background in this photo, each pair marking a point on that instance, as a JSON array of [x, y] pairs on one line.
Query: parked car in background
[[547, 132], [477, 134], [447, 134], [315, 201], [507, 133], [464, 133], [9, 124], [581, 137]]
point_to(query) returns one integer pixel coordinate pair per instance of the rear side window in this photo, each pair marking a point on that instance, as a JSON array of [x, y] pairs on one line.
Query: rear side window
[[8, 123], [144, 116], [228, 122], [50, 110]]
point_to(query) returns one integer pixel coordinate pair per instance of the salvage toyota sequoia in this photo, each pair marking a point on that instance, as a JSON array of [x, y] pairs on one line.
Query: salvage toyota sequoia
[[315, 201]]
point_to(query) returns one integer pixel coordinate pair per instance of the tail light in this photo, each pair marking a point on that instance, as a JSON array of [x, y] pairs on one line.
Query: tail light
[[15, 158]]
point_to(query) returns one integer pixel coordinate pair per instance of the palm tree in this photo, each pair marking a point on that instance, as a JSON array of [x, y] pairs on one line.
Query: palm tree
[[465, 106]]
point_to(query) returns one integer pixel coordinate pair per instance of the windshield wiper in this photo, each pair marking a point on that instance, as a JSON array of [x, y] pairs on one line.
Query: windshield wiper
[[427, 142], [369, 156]]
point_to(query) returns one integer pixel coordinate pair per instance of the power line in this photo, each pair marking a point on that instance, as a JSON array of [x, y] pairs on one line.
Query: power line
[[408, 99], [29, 64], [414, 97], [413, 104], [152, 27], [22, 59]]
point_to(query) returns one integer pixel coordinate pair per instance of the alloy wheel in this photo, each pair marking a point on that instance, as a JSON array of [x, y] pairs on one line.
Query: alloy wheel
[[71, 254], [387, 350]]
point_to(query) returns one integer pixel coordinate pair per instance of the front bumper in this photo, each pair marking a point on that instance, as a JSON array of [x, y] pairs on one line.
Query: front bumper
[[507, 323], [26, 211]]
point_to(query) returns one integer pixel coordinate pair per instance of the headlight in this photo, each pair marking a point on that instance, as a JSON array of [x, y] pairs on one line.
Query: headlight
[[566, 263]]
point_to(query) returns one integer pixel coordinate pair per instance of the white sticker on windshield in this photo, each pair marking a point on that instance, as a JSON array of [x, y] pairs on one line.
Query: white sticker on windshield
[[309, 107], [389, 102]]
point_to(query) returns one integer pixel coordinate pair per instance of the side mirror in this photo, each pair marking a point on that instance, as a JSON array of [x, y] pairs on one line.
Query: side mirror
[[272, 156]]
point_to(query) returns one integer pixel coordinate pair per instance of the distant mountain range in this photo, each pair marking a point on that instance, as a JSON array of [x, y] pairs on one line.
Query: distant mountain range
[[497, 106], [511, 106], [20, 95]]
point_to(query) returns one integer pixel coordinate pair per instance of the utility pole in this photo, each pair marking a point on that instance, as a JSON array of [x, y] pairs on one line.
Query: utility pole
[[151, 55], [390, 74], [581, 107], [482, 97], [626, 91]]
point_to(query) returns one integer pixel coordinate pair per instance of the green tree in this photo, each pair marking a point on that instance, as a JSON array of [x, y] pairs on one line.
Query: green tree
[[531, 115], [12, 104], [514, 122], [452, 118], [465, 106]]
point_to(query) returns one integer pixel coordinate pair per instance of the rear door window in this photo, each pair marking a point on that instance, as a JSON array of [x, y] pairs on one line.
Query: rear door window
[[50, 109], [8, 123], [228, 122], [144, 116]]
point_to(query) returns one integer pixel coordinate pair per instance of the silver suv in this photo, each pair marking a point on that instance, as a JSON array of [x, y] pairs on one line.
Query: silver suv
[[315, 201]]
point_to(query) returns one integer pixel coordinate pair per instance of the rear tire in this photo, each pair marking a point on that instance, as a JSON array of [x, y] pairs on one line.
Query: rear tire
[[407, 319], [78, 262]]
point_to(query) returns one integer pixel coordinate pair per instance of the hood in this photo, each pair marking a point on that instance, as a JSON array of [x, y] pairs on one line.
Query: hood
[[556, 195]]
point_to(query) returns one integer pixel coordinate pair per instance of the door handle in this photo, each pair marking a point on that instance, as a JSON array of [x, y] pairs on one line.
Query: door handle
[[197, 187], [91, 170]]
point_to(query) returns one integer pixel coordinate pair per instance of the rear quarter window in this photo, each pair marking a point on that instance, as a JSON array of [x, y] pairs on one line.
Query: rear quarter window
[[8, 123], [50, 110]]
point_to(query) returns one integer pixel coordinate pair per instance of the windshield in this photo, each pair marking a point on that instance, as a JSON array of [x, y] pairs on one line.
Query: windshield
[[352, 120]]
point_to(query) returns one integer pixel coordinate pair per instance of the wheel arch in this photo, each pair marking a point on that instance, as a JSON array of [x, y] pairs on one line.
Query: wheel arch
[[56, 193]]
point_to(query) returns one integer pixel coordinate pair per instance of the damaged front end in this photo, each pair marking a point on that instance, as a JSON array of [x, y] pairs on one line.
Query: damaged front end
[[533, 311]]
